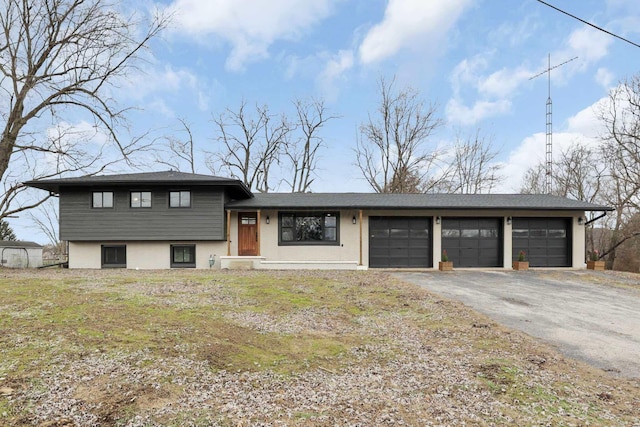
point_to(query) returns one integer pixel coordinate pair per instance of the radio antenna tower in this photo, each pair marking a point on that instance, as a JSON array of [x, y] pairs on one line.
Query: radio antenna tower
[[549, 155]]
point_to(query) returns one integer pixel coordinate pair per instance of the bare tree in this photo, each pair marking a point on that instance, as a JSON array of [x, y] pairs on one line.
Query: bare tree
[[46, 219], [58, 57], [301, 153], [250, 145], [178, 152], [579, 173], [533, 181], [621, 117], [391, 151], [621, 150], [473, 169]]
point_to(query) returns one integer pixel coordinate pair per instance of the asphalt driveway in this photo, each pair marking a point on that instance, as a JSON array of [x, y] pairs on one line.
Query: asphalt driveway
[[579, 312]]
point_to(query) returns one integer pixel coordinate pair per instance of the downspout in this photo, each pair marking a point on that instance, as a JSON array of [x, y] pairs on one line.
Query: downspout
[[596, 218]]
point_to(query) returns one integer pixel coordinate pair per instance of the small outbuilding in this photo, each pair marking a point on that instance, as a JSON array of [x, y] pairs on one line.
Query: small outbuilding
[[20, 254]]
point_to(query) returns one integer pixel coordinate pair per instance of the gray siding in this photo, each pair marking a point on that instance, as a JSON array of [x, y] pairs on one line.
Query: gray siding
[[204, 220]]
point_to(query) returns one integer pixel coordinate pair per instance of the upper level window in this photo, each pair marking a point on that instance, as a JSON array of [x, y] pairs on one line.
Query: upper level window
[[180, 199], [141, 199], [304, 228], [102, 199]]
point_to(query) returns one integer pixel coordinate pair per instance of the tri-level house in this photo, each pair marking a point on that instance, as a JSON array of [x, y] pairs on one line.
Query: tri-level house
[[171, 219]]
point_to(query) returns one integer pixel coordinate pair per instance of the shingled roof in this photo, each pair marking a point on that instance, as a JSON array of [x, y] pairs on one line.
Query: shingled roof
[[412, 201], [144, 178]]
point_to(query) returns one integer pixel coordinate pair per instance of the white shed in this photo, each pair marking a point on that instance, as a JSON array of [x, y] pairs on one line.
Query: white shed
[[20, 254]]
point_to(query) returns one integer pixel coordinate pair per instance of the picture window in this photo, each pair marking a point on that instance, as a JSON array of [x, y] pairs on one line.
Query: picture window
[[309, 228]]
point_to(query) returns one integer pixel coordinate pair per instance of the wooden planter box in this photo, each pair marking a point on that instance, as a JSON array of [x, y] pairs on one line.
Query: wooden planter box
[[520, 265], [445, 265], [595, 265]]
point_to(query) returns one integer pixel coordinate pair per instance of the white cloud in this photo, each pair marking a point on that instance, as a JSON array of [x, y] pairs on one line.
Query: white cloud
[[604, 78], [531, 152], [459, 113], [503, 83], [407, 23], [467, 72], [160, 79], [589, 44], [250, 26], [335, 66], [585, 44], [494, 91], [515, 33]]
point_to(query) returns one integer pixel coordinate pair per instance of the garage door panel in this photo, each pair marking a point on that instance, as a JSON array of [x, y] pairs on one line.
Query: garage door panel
[[400, 242], [469, 253], [419, 244], [546, 241], [469, 244], [488, 244], [473, 242], [556, 252], [399, 252]]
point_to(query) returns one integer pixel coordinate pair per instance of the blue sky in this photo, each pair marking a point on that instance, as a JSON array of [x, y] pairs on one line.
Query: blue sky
[[473, 58]]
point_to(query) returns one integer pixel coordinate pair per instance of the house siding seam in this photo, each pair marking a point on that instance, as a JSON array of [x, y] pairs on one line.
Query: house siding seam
[[204, 220]]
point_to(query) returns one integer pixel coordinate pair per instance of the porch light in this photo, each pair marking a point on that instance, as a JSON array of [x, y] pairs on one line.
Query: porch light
[[438, 220], [509, 220], [267, 219], [353, 220], [580, 220]]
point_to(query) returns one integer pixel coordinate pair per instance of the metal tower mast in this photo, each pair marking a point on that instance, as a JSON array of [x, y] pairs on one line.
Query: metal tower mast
[[549, 141]]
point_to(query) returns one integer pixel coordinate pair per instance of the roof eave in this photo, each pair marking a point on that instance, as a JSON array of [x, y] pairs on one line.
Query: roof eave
[[54, 187], [240, 206]]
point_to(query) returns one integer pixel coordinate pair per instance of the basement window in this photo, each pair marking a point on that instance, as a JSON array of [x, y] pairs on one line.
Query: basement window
[[183, 256], [114, 256]]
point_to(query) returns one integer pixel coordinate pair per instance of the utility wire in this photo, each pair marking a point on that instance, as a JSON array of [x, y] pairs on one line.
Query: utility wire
[[589, 24]]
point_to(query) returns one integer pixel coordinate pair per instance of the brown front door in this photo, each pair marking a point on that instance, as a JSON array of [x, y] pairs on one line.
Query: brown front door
[[247, 234]]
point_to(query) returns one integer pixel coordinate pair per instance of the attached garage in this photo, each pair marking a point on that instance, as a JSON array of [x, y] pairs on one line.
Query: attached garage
[[400, 242], [473, 242], [545, 241]]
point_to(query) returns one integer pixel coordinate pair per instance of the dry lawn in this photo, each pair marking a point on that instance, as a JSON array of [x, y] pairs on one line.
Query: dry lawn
[[209, 348]]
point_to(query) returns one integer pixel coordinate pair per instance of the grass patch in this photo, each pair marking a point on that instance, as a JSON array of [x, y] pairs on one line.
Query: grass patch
[[229, 348]]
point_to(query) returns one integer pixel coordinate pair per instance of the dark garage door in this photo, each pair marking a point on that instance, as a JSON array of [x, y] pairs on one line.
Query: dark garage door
[[473, 242], [544, 240], [396, 242]]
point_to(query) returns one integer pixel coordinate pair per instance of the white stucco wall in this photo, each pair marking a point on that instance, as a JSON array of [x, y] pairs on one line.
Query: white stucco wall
[[349, 248], [143, 255]]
